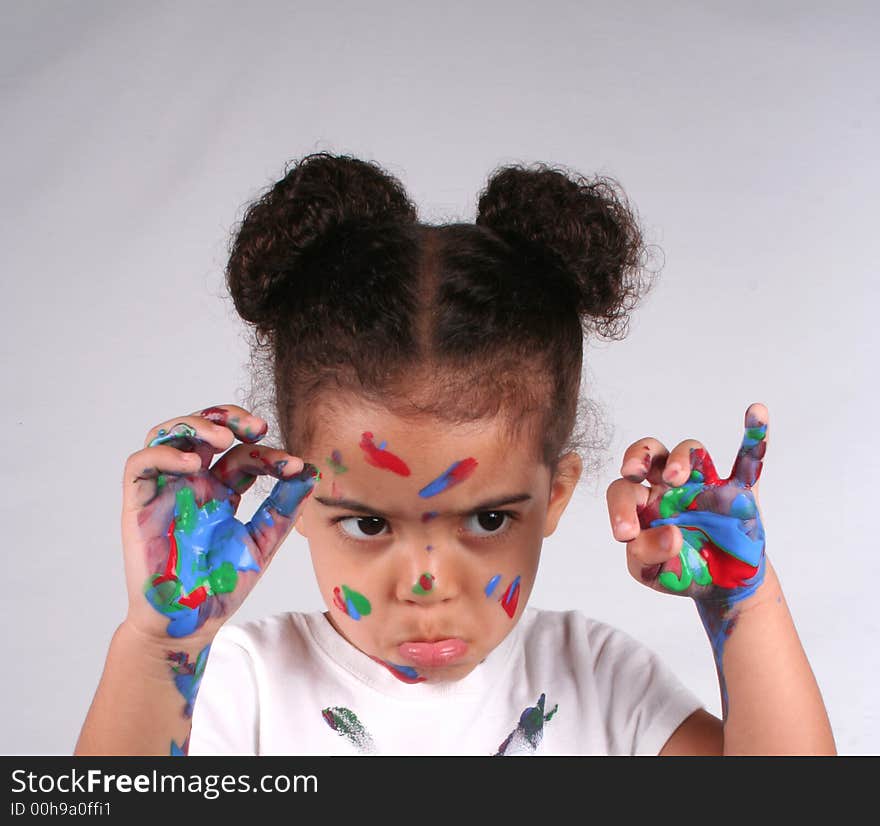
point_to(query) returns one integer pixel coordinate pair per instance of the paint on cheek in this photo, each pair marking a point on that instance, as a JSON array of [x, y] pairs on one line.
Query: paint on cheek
[[381, 458], [453, 475], [511, 597], [425, 584], [403, 672], [351, 602], [335, 462], [345, 722], [492, 584]]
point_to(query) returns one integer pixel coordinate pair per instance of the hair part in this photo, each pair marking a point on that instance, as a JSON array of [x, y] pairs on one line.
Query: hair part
[[348, 294]]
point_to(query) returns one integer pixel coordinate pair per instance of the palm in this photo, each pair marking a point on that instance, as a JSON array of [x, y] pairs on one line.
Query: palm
[[722, 555], [201, 562]]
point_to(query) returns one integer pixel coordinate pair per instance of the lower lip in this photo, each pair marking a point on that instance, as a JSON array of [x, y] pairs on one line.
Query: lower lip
[[433, 654]]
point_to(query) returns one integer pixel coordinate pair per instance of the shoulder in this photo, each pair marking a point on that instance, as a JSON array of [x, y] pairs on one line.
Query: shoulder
[[268, 637], [576, 632]]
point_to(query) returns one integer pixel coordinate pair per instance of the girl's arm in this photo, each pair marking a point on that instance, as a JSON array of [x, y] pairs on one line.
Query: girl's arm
[[189, 565], [697, 535], [773, 704], [144, 701]]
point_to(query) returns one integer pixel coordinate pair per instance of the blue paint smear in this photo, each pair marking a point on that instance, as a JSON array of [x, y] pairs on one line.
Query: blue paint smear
[[493, 583], [404, 669], [440, 483], [724, 531], [188, 684], [352, 611]]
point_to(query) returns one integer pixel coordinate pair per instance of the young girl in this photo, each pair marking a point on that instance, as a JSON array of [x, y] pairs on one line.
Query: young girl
[[426, 382]]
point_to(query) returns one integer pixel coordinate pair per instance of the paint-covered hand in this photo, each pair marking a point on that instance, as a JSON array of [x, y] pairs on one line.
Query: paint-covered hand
[[189, 562], [690, 532]]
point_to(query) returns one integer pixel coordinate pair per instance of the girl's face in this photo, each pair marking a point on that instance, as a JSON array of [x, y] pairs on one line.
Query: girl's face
[[425, 537]]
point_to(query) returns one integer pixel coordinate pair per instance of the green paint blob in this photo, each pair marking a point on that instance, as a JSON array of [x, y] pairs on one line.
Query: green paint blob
[[187, 510], [756, 433], [360, 602], [223, 579], [676, 500], [165, 593], [161, 481]]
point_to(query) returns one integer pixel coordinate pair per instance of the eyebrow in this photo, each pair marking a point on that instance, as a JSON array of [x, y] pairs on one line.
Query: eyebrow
[[489, 504]]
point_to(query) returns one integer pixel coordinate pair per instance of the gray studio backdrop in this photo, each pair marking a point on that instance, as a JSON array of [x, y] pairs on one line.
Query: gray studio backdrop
[[134, 135]]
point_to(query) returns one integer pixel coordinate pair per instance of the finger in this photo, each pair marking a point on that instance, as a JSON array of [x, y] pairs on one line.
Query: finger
[[273, 520], [750, 460], [648, 552], [192, 434], [624, 499], [144, 472], [245, 425], [644, 459], [239, 467], [686, 457]]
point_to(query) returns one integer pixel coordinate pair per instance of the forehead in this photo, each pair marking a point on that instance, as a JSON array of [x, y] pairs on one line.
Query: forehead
[[398, 452]]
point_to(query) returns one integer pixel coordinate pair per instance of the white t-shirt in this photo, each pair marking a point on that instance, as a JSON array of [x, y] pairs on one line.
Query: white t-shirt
[[559, 683]]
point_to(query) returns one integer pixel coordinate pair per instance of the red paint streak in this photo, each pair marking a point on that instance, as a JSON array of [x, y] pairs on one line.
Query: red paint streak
[[194, 598], [462, 470], [509, 600], [428, 516], [171, 563], [216, 414], [700, 460], [727, 571], [337, 600], [426, 581], [382, 458], [400, 676]]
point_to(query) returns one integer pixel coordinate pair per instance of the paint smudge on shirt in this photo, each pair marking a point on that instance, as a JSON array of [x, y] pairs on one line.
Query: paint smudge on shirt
[[345, 722], [404, 673], [453, 475], [381, 458], [351, 602], [527, 736]]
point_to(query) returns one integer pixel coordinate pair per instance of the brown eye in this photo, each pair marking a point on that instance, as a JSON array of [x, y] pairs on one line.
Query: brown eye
[[363, 526], [488, 522]]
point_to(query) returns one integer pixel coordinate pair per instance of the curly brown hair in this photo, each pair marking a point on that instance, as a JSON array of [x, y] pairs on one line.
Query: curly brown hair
[[348, 293]]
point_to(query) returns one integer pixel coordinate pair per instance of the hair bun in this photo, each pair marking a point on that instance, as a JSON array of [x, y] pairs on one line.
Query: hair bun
[[584, 227], [315, 201]]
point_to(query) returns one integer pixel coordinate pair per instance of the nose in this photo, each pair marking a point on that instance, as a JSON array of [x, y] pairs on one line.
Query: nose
[[426, 577]]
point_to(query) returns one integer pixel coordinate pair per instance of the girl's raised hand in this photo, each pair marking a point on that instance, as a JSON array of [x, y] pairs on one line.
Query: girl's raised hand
[[189, 563], [690, 532]]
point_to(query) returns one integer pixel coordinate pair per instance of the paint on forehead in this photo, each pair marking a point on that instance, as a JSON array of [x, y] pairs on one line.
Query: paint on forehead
[[455, 473], [381, 458], [351, 602], [429, 547], [404, 673], [427, 516], [345, 722], [335, 462], [492, 584], [510, 598], [425, 584]]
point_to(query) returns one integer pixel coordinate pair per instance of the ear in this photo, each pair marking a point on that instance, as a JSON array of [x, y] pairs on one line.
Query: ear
[[562, 486]]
